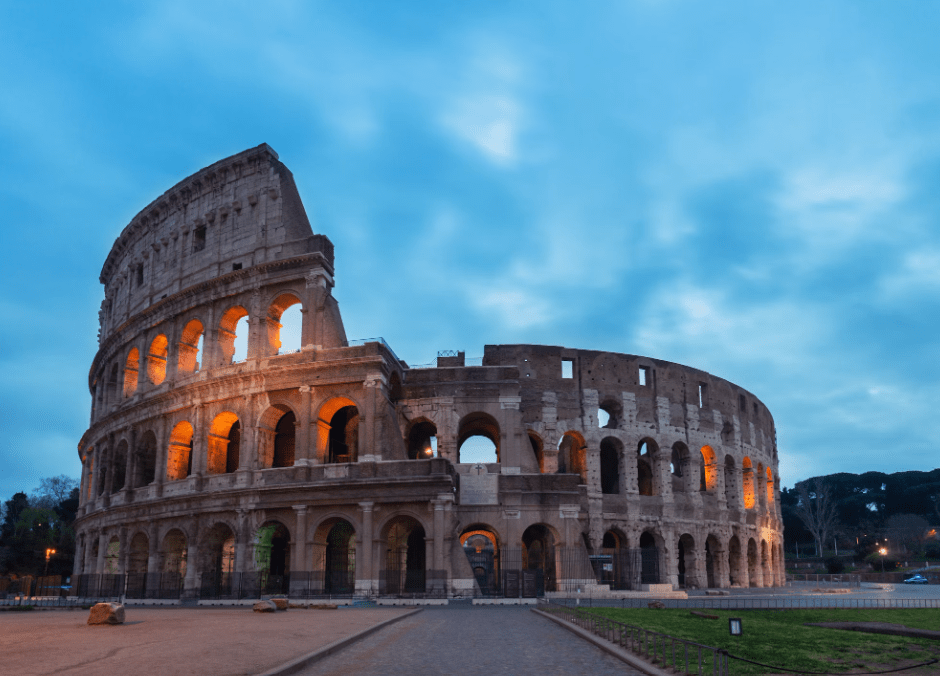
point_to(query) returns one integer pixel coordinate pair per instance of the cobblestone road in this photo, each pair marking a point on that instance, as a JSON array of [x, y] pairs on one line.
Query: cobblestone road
[[471, 640]]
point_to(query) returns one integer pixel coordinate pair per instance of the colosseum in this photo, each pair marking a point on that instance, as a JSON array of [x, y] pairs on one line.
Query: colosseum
[[336, 468]]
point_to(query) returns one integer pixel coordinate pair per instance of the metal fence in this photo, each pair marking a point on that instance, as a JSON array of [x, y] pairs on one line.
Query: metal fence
[[824, 580], [669, 652], [755, 603]]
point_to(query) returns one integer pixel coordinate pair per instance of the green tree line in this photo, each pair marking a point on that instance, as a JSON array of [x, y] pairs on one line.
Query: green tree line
[[31, 524]]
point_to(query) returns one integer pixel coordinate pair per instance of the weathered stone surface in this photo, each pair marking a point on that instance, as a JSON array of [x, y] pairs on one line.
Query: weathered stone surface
[[106, 613], [656, 605], [342, 442], [265, 606], [280, 603]]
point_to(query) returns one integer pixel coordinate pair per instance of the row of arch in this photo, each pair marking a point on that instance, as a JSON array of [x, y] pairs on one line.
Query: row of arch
[[123, 378], [225, 450]]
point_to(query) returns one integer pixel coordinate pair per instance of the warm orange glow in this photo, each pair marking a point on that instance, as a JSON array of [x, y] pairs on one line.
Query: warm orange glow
[[218, 442], [131, 367], [189, 346], [227, 331], [711, 468], [749, 492], [770, 486], [277, 308], [156, 360], [883, 551], [180, 451]]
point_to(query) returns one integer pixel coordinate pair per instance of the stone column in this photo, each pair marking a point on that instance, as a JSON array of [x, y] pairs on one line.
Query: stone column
[[123, 551], [367, 440], [153, 551], [200, 440], [366, 578], [302, 451], [131, 461], [109, 477], [191, 581], [242, 537], [438, 534], [159, 467], [257, 324], [102, 552], [299, 549], [81, 543], [91, 552]]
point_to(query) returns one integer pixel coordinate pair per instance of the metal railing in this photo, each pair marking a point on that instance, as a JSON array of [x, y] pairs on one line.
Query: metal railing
[[363, 341], [757, 603], [667, 651], [829, 580]]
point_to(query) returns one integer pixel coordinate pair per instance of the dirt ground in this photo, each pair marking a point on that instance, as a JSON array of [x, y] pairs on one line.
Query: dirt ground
[[172, 641]]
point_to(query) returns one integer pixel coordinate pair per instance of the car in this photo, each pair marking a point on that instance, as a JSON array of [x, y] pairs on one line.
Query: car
[[917, 579]]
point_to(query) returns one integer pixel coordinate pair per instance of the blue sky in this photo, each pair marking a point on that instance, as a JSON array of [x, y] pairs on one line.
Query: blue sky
[[746, 187]]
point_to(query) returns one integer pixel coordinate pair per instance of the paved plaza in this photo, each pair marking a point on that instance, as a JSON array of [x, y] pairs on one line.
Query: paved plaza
[[471, 639]]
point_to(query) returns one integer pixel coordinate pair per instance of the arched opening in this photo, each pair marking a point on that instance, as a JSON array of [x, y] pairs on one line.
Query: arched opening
[[538, 448], [284, 440], [173, 555], [102, 476], [686, 555], [770, 487], [708, 470], [131, 368], [217, 561], [649, 559], [179, 457], [749, 493], [614, 565], [538, 555], [478, 439], [646, 484], [765, 564], [223, 444], [112, 557], [422, 440], [146, 461], [272, 556], [284, 322], [730, 483], [679, 467], [735, 572], [404, 557], [752, 563], [138, 554], [156, 360], [481, 548], [572, 455], [340, 555], [344, 435], [112, 393], [611, 450], [233, 327], [190, 347], [119, 467], [713, 561]]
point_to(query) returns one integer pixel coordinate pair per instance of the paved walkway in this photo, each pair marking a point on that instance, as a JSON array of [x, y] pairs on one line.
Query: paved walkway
[[172, 641], [474, 640]]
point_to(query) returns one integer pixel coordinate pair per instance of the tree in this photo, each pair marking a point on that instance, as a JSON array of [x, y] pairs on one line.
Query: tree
[[907, 530], [53, 491], [816, 509]]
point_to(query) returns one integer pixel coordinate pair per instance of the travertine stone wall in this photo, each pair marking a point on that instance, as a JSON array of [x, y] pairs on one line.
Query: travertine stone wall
[[186, 452]]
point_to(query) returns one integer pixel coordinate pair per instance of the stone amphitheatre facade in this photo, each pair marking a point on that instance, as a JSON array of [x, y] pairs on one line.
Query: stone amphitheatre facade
[[336, 468]]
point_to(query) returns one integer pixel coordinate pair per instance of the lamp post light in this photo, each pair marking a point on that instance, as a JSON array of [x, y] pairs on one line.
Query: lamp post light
[[49, 553], [882, 551]]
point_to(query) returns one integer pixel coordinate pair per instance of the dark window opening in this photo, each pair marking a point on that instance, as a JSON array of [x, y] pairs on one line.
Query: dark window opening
[[236, 266], [233, 449], [567, 368], [702, 395], [741, 403], [199, 238], [140, 275], [284, 440], [644, 375]]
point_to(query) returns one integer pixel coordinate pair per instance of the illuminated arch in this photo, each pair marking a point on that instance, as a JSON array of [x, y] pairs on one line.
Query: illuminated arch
[[179, 457], [131, 368], [709, 470], [156, 360], [224, 444], [227, 331], [273, 320], [189, 352]]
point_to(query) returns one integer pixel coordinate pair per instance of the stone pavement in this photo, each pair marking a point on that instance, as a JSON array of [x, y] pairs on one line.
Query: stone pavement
[[172, 641], [465, 639]]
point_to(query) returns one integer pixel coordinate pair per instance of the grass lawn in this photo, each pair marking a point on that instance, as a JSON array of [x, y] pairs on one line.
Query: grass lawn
[[778, 637]]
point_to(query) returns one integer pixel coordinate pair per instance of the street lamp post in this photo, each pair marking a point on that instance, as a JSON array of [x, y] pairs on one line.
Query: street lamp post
[[49, 552], [882, 551]]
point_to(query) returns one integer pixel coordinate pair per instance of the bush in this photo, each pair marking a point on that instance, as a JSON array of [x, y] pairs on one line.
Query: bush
[[834, 565]]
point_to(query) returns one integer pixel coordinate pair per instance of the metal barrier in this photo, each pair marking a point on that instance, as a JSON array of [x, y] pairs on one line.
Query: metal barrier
[[819, 579], [662, 649], [756, 603]]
